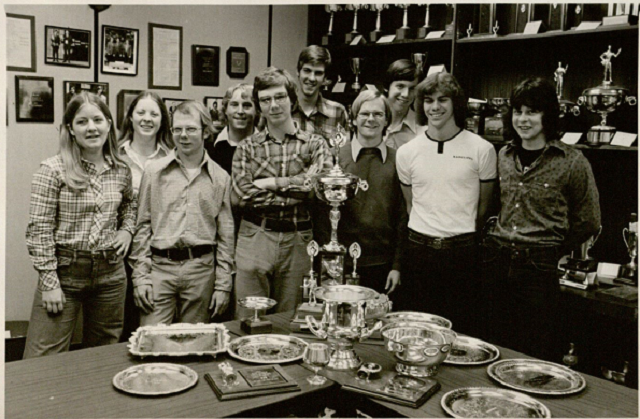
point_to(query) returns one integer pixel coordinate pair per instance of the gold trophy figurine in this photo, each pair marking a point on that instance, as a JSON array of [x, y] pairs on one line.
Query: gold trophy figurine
[[331, 9], [423, 31], [405, 31], [565, 105], [377, 33]]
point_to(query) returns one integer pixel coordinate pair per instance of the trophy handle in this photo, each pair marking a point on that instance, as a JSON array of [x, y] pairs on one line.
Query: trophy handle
[[575, 111], [631, 100], [625, 232], [366, 332], [581, 100], [395, 347], [316, 327], [362, 184], [431, 351]]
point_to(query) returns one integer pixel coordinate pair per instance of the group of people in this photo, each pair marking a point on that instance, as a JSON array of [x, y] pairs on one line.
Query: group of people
[[63, 41], [194, 218]]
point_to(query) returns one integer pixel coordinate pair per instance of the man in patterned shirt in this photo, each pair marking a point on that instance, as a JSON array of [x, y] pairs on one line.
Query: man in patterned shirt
[[313, 113], [267, 169]]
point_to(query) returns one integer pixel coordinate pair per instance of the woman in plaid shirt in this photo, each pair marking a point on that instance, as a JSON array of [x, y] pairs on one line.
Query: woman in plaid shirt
[[81, 221]]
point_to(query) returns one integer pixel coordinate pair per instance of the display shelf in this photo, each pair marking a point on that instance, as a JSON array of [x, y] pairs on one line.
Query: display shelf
[[544, 35], [497, 140], [338, 47]]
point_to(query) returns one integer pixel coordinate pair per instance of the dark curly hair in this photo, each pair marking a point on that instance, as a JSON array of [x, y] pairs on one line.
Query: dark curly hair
[[540, 95]]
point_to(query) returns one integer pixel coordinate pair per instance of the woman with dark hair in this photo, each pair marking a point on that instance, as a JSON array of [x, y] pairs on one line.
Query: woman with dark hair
[[549, 206], [81, 221]]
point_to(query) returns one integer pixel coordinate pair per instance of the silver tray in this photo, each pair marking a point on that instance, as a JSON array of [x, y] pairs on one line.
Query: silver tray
[[267, 349], [537, 377], [485, 402], [155, 379], [179, 339], [470, 351]]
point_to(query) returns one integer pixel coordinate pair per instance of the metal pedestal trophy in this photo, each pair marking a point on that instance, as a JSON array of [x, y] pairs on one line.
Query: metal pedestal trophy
[[493, 124], [474, 123], [331, 9], [419, 59], [423, 31], [603, 100], [256, 324], [566, 106], [580, 271], [629, 272], [377, 33], [354, 32], [404, 32], [355, 67]]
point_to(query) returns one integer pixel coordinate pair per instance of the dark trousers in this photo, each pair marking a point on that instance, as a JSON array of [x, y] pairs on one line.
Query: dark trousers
[[374, 277], [440, 281], [131, 311], [521, 293]]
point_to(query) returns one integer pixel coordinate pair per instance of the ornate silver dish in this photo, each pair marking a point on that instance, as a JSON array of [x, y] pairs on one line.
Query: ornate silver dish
[[485, 402], [471, 351], [416, 316], [267, 349], [155, 379], [537, 377], [179, 339]]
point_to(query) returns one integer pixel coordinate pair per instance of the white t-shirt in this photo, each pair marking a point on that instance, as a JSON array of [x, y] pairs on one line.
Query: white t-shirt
[[445, 181]]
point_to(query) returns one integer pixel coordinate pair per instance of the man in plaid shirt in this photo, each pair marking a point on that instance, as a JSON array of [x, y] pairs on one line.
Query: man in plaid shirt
[[315, 114], [269, 168]]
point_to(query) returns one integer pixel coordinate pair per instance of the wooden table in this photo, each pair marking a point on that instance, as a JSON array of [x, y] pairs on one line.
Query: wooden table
[[78, 385]]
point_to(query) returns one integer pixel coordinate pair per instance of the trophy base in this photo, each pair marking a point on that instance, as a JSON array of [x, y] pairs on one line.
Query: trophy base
[[307, 309], [351, 279], [493, 125], [417, 370], [599, 135], [473, 124], [328, 39], [629, 274], [344, 360], [253, 326], [375, 35], [349, 37], [422, 32], [404, 33]]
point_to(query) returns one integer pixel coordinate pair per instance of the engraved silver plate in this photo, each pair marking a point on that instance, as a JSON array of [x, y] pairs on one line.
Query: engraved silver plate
[[267, 349], [484, 402], [471, 351], [179, 339], [535, 376], [155, 379]]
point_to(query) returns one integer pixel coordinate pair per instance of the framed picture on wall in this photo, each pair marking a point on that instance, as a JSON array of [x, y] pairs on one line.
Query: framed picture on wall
[[165, 57], [125, 97], [21, 43], [214, 104], [68, 47], [205, 65], [172, 103], [119, 50], [34, 99], [237, 62], [72, 88]]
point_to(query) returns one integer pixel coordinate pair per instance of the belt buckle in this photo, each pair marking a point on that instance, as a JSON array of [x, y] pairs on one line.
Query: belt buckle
[[169, 255], [437, 243]]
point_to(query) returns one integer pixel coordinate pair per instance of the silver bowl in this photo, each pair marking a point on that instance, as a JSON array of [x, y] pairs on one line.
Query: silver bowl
[[416, 317]]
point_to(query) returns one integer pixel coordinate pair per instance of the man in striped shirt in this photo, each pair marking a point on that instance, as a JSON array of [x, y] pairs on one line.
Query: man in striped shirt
[[269, 169]]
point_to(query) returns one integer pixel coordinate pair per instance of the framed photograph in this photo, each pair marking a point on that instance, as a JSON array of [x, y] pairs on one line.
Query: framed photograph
[[119, 50], [237, 62], [68, 47], [165, 57], [172, 103], [72, 88], [21, 43], [34, 99], [214, 104], [125, 97], [205, 65]]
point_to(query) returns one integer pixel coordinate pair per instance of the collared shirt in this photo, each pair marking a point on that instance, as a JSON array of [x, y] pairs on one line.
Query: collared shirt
[[134, 160], [553, 203], [176, 210], [405, 132], [222, 151], [356, 148], [262, 156], [82, 220], [323, 119]]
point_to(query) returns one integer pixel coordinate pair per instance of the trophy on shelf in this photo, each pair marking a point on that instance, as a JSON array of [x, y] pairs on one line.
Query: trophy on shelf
[[473, 123], [404, 32], [603, 100], [348, 38], [629, 272], [309, 305], [377, 33], [423, 31], [493, 124], [354, 251], [449, 28], [580, 270], [565, 105], [331, 9], [495, 29], [355, 67], [419, 59], [256, 324], [469, 30], [334, 187]]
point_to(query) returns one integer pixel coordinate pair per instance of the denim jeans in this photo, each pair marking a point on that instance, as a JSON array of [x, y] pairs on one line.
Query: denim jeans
[[95, 286], [271, 264], [182, 289]]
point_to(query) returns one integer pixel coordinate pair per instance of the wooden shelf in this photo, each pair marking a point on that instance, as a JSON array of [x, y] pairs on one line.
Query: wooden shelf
[[401, 42], [552, 34], [497, 139]]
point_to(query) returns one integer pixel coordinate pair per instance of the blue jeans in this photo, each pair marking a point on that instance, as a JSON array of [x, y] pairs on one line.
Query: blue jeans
[[98, 287], [181, 289], [271, 264]]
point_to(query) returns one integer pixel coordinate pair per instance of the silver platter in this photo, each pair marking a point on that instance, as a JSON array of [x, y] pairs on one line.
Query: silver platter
[[257, 303], [179, 339], [471, 351], [537, 377], [345, 293], [485, 402], [155, 379], [267, 349]]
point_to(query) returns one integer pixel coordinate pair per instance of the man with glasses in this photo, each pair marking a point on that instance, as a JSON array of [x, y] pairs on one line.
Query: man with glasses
[[269, 169], [315, 114], [184, 245]]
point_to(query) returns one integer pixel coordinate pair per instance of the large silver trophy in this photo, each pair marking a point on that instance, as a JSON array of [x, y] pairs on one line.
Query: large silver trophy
[[354, 32], [331, 9], [565, 105], [603, 100], [404, 32], [423, 31], [377, 33]]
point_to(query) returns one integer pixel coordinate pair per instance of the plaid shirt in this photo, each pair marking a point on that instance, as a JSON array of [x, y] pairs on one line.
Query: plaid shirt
[[59, 216], [262, 156], [323, 119]]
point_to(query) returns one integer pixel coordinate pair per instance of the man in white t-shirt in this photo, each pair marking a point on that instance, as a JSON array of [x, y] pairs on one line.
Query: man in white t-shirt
[[448, 176]]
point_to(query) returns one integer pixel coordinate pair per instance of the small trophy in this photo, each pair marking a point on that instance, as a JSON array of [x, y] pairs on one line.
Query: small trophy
[[309, 283], [629, 272], [473, 123], [565, 105], [405, 31], [377, 33], [495, 29], [449, 28], [354, 252], [419, 59], [255, 324], [580, 270], [331, 9], [355, 67], [354, 32], [469, 30], [423, 31], [493, 124]]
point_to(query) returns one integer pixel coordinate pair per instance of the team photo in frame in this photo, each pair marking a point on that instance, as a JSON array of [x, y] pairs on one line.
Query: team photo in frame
[[67, 47], [72, 88], [119, 50]]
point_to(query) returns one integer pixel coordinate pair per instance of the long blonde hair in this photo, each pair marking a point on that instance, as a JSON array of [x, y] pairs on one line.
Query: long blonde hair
[[76, 177]]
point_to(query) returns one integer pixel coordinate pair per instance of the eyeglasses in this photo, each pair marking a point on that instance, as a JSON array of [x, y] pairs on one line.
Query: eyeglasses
[[367, 115], [189, 130], [279, 99]]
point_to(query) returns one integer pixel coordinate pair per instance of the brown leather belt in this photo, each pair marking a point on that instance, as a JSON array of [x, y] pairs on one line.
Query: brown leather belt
[[183, 253], [280, 226]]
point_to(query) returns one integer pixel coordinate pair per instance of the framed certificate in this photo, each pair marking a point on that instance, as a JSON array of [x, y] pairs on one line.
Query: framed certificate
[[205, 65], [21, 43], [237, 62], [34, 99], [165, 57]]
